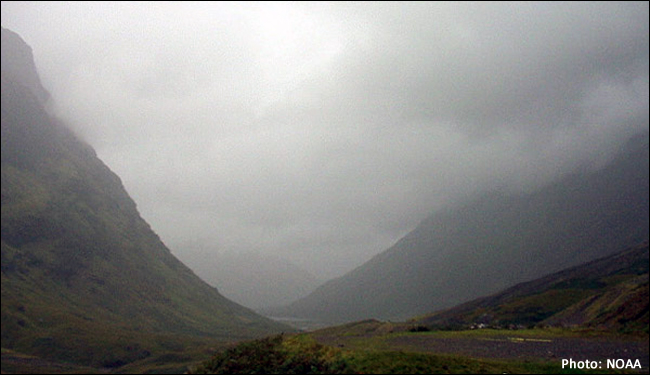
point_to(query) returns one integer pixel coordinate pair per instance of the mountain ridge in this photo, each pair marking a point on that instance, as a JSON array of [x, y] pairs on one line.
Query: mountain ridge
[[18, 63], [497, 240], [78, 260], [608, 293]]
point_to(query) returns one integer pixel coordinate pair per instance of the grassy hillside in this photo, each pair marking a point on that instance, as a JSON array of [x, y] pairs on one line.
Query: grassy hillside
[[495, 241], [84, 277], [609, 293]]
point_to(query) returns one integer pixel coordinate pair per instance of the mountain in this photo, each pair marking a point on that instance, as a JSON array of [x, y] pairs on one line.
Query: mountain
[[494, 241], [252, 279], [18, 62], [610, 292], [84, 277]]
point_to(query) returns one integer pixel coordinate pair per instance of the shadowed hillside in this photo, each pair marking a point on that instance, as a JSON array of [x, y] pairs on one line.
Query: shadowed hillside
[[84, 277], [609, 293], [493, 242]]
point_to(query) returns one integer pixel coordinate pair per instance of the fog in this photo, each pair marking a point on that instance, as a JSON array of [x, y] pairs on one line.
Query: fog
[[323, 132]]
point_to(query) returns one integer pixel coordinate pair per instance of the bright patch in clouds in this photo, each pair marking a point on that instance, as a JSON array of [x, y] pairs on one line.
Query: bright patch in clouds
[[293, 45]]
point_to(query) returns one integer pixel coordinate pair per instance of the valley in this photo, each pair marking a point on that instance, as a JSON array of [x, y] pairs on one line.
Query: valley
[[528, 328], [325, 188]]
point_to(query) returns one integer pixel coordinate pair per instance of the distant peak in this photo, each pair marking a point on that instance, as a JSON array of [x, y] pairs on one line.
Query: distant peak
[[18, 64]]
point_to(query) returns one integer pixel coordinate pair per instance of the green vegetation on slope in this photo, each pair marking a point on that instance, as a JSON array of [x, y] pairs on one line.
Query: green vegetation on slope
[[610, 293], [84, 278]]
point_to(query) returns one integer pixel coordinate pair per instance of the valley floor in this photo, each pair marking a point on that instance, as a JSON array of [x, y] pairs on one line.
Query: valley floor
[[548, 346], [382, 347], [515, 347]]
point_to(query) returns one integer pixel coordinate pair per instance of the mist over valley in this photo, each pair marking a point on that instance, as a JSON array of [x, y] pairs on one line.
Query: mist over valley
[[324, 187]]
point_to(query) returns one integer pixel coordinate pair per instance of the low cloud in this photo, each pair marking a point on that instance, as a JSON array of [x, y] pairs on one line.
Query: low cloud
[[324, 132]]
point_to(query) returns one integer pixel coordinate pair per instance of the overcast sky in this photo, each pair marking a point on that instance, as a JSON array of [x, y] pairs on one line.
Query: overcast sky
[[324, 132]]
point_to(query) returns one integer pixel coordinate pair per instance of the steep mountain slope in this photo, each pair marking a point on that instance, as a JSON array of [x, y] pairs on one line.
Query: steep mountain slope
[[252, 279], [493, 242], [610, 292], [18, 63], [83, 275]]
